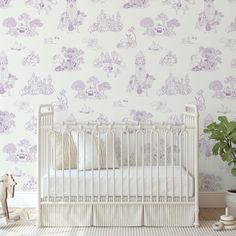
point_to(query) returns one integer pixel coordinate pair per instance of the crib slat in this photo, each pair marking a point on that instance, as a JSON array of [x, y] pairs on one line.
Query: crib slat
[[128, 160], [92, 153]]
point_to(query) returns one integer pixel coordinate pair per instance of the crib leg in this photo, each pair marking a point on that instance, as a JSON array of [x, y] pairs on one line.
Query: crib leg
[[196, 219]]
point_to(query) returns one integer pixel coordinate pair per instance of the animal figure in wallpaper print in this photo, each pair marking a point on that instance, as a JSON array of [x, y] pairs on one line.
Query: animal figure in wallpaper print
[[210, 18], [41, 5], [72, 18], [179, 5], [141, 81], [129, 41], [4, 3], [7, 80]]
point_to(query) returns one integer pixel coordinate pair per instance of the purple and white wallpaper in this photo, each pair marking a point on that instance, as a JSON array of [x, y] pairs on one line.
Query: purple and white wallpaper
[[119, 60]]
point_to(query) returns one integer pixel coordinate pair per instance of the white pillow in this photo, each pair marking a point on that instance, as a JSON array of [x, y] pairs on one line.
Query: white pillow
[[93, 154]]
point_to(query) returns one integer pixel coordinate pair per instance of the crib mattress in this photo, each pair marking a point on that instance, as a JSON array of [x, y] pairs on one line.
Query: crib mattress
[[164, 181]]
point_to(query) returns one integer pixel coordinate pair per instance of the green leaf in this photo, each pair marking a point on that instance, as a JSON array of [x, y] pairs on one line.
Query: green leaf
[[228, 156], [215, 149], [233, 137], [233, 171], [223, 119]]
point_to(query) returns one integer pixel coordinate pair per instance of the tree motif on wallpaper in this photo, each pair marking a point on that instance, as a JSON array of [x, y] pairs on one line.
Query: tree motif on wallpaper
[[210, 18], [22, 26], [70, 59], [135, 3], [231, 27], [7, 121], [161, 26], [179, 5], [31, 125], [140, 116], [207, 60], [41, 5], [169, 59], [93, 90], [227, 89], [129, 41], [200, 100], [233, 63], [175, 86], [105, 22], [30, 185], [38, 86], [141, 81], [72, 18], [5, 3], [111, 63], [32, 59], [23, 151], [210, 182], [61, 104], [7, 80]]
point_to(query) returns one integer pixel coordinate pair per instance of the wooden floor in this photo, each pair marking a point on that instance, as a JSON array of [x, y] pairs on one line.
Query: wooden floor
[[205, 213]]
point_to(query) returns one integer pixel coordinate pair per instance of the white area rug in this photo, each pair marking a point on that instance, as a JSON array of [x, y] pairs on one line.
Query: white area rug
[[29, 229]]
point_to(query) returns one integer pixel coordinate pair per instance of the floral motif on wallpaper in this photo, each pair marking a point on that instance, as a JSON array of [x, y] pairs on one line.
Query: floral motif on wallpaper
[[210, 182], [111, 63], [173, 86], [179, 5], [7, 80], [210, 18], [93, 90], [129, 41], [208, 59], [44, 6], [70, 59], [105, 22], [141, 81], [227, 89], [72, 18], [24, 25], [161, 26], [38, 86], [7, 121], [23, 151]]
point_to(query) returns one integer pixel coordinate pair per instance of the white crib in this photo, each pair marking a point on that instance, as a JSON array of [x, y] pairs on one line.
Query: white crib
[[120, 174]]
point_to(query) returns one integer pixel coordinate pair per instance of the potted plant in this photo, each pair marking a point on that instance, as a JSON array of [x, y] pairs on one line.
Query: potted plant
[[224, 134]]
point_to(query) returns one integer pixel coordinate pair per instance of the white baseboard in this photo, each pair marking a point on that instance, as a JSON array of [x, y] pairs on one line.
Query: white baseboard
[[29, 200]]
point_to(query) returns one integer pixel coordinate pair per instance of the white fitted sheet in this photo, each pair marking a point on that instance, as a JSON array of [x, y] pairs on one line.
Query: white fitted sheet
[[161, 176]]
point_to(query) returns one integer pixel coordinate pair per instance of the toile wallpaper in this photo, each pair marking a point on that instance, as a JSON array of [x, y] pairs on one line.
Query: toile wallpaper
[[114, 60]]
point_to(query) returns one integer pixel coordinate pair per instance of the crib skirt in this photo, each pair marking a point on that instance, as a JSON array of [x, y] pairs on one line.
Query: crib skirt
[[59, 215]]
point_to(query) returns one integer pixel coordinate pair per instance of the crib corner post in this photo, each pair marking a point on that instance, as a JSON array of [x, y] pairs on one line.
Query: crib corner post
[[196, 164]]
